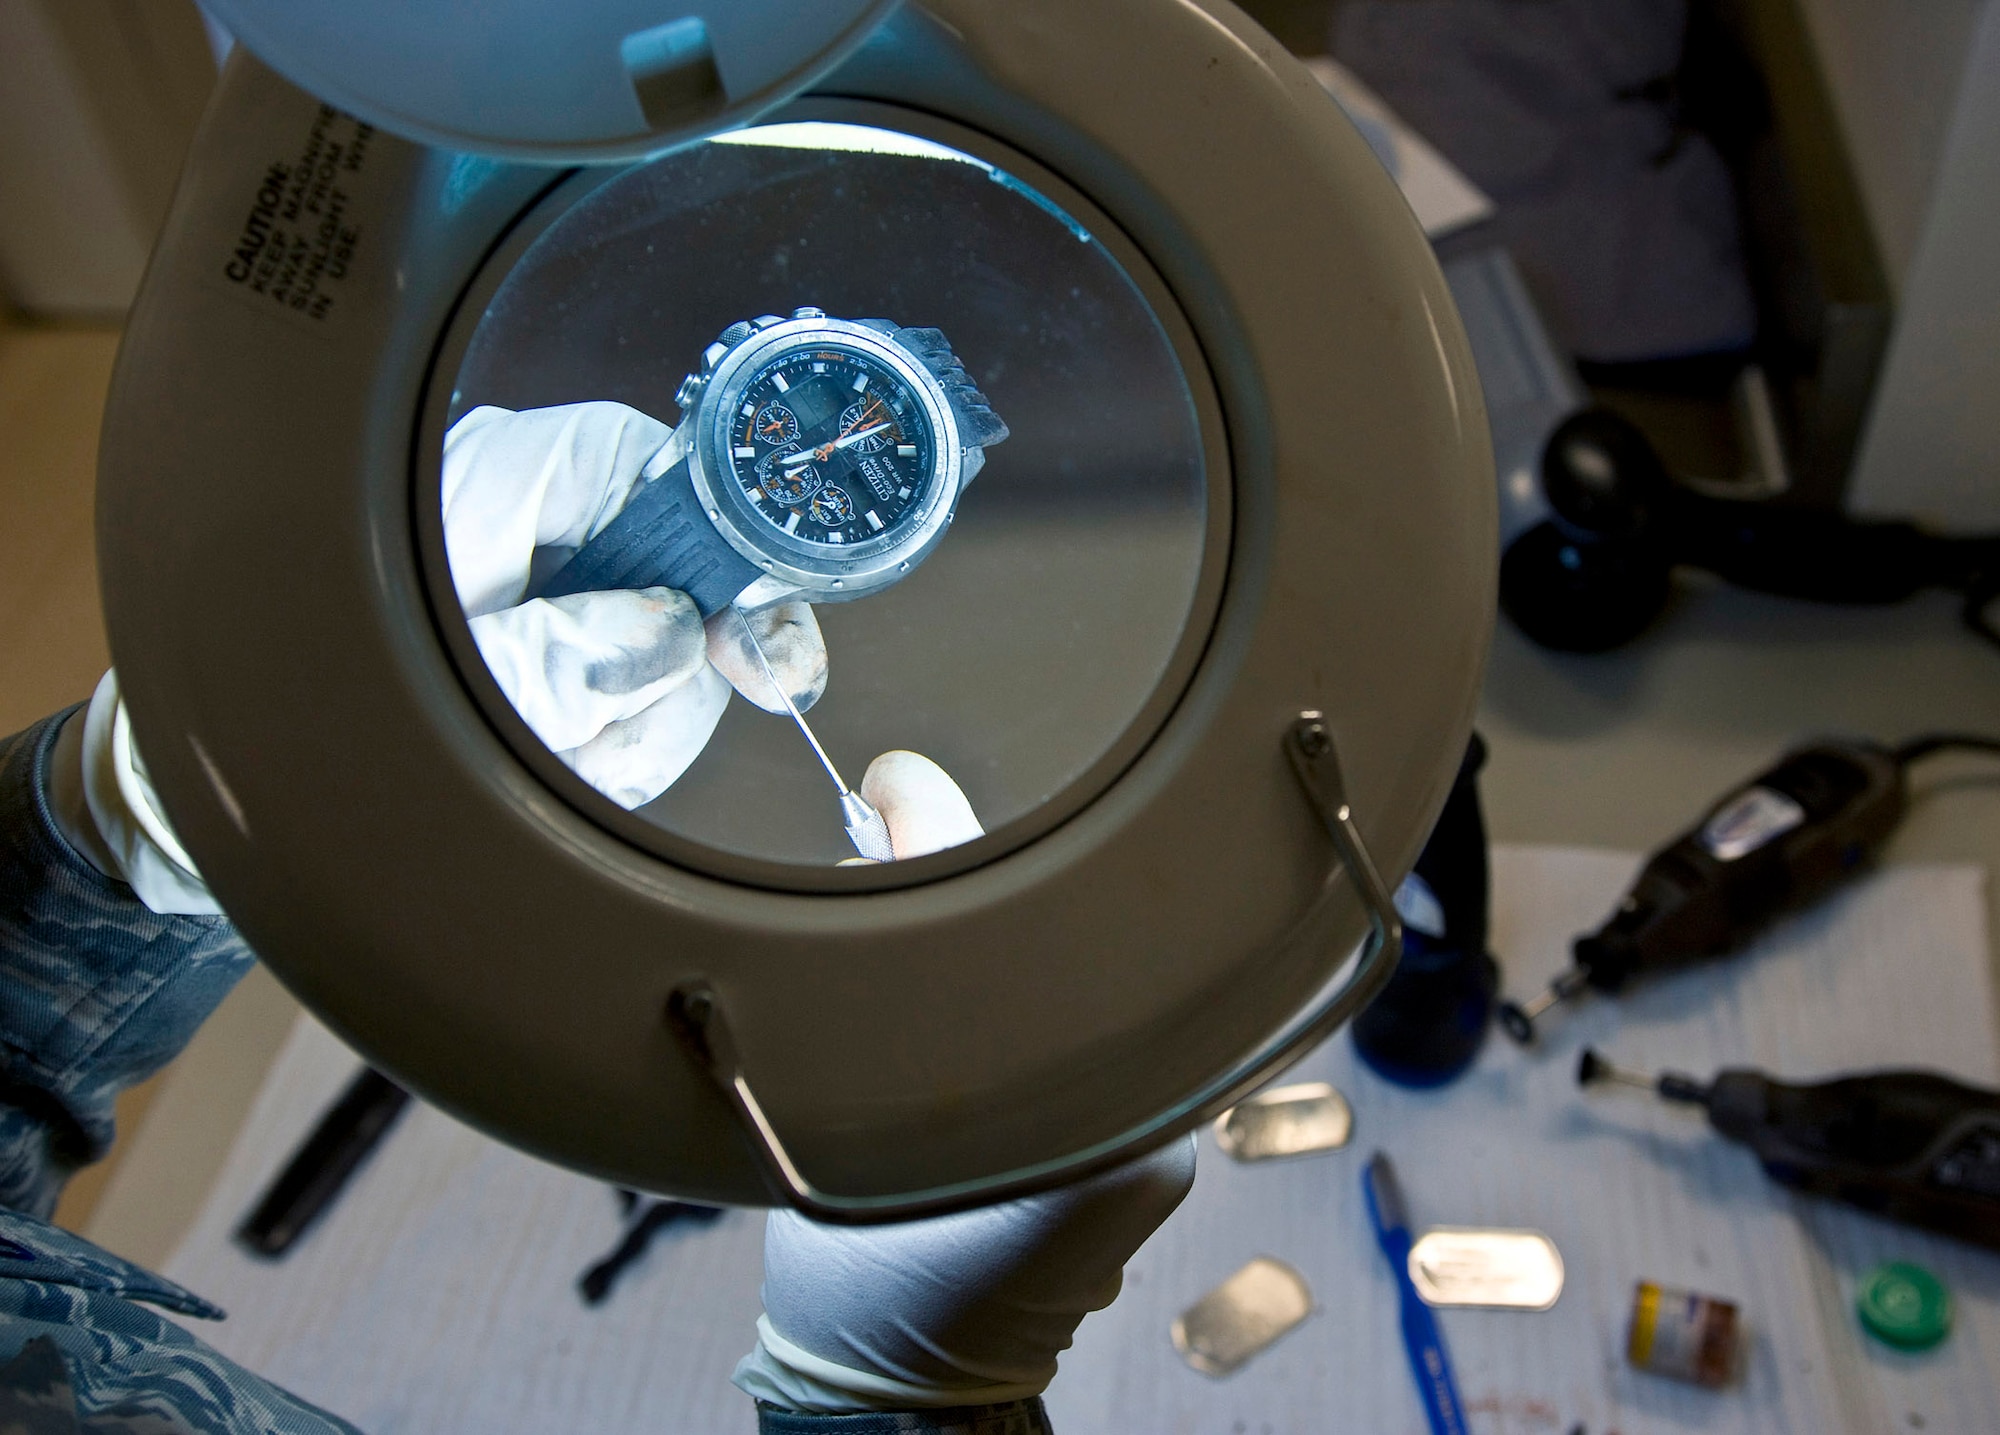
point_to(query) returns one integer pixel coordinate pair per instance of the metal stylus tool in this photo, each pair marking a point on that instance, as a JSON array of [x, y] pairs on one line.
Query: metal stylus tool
[[865, 827]]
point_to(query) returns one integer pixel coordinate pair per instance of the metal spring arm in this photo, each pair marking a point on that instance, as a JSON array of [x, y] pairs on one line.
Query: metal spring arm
[[695, 1013]]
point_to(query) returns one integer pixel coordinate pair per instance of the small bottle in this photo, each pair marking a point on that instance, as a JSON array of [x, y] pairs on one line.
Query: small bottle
[[1686, 1335], [1431, 1019]]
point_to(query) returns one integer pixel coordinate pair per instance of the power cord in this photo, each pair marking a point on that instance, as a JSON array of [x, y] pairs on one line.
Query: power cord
[[1929, 744]]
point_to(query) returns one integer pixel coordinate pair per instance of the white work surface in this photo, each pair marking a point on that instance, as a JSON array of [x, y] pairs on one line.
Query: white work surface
[[1627, 1188], [439, 1295]]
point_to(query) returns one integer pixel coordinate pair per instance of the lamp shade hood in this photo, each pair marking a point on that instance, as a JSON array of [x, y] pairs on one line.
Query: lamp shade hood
[[580, 81], [1247, 447]]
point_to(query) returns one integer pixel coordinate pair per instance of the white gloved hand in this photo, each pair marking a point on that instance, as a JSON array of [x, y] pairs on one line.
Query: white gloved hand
[[967, 1309], [102, 799], [625, 687]]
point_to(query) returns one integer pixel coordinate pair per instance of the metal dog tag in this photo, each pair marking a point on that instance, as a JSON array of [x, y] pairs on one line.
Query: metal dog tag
[[1286, 1121], [1241, 1316], [1478, 1266]]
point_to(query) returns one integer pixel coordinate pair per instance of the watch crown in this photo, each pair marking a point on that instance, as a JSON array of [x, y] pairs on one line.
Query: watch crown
[[808, 312], [690, 386]]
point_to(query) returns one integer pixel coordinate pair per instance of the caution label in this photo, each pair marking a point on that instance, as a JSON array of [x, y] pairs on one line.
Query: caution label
[[300, 235]]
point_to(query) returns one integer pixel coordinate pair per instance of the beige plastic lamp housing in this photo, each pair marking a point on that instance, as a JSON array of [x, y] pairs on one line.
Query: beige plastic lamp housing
[[1189, 916]]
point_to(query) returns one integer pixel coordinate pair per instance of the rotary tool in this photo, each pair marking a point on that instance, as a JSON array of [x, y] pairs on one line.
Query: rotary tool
[[1792, 832], [1913, 1146]]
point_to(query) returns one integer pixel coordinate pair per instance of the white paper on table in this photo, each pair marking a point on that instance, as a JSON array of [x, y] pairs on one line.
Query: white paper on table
[[1442, 197], [439, 1295], [1891, 972]]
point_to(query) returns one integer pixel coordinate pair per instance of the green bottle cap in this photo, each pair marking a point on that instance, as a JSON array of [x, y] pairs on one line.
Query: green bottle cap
[[1904, 1305]]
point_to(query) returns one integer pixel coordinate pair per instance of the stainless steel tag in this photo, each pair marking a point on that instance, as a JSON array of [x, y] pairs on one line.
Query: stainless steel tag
[[1286, 1121], [1480, 1266], [1241, 1316]]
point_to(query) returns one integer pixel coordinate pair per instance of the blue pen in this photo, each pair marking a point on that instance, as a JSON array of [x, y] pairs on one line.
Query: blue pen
[[1420, 1333]]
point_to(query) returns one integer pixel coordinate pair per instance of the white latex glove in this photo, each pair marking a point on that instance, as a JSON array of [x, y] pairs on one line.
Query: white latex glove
[[968, 1309], [625, 687], [103, 801]]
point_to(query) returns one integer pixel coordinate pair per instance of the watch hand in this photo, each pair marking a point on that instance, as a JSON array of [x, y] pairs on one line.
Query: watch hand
[[860, 434], [823, 454]]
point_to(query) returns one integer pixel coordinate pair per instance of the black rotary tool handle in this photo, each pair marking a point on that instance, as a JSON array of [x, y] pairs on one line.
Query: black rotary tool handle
[[1912, 1146], [1818, 816]]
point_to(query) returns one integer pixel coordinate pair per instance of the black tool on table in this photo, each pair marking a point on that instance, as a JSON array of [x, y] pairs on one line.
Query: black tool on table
[[645, 1218], [1789, 834], [1913, 1146], [312, 1180]]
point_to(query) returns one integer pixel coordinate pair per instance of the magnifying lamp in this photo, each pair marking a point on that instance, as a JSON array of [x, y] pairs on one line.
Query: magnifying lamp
[[1199, 641]]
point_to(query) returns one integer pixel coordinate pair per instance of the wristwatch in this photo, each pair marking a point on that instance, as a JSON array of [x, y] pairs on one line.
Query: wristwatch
[[816, 458]]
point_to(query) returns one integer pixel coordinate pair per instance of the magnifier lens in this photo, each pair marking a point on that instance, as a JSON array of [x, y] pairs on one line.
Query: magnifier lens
[[1015, 651]]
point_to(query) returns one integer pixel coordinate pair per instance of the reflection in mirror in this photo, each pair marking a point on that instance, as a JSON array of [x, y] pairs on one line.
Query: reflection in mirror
[[822, 493]]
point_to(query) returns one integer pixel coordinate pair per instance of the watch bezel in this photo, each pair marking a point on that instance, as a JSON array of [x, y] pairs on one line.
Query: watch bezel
[[817, 575]]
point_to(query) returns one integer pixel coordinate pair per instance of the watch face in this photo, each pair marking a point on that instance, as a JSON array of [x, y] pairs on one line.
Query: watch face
[[831, 446]]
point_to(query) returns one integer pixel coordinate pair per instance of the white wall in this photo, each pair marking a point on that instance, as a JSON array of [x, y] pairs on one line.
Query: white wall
[[1894, 69], [69, 240], [98, 99], [1932, 446]]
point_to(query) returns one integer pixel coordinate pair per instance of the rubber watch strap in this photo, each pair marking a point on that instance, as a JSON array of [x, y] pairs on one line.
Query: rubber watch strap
[[660, 539], [978, 426]]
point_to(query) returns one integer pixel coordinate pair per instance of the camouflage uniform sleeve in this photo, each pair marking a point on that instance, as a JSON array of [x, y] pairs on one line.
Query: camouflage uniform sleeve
[[81, 1353], [96, 990]]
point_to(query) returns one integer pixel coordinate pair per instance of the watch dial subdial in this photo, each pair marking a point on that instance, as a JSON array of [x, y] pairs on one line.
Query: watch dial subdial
[[774, 424], [789, 484], [868, 426], [833, 508]]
